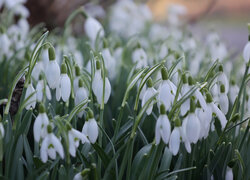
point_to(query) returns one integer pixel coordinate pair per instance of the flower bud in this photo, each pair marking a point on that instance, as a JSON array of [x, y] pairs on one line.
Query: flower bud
[[41, 108], [162, 109], [164, 73], [63, 68], [77, 70], [150, 82]]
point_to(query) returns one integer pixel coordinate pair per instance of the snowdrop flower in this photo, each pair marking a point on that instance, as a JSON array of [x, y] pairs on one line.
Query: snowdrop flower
[[150, 92], [163, 127], [216, 110], [50, 145], [109, 60], [218, 50], [223, 100], [185, 88], [97, 85], [64, 87], [76, 80], [32, 98], [167, 90], [42, 87], [246, 52], [93, 28], [40, 124], [75, 137], [38, 68], [81, 94], [222, 79], [229, 174], [5, 44], [90, 128], [184, 135], [193, 126], [174, 142], [82, 175], [233, 92], [52, 70], [205, 117], [139, 57]]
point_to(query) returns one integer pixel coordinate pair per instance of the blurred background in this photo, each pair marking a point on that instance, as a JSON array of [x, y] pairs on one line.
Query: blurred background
[[227, 17]]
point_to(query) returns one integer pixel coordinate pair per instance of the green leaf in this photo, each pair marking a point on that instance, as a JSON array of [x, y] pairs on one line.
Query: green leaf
[[28, 154], [145, 77], [131, 84], [104, 157]]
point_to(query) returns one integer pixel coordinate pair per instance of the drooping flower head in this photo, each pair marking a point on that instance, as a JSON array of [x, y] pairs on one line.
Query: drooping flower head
[[90, 128], [52, 70], [64, 87]]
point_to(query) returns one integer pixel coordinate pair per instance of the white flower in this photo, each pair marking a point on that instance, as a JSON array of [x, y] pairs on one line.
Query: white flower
[[64, 87], [32, 100], [219, 114], [150, 92], [81, 94], [50, 145], [163, 127], [184, 136], [139, 57], [74, 138], [246, 52], [167, 92], [90, 128], [40, 124], [1, 129], [205, 117], [174, 142], [38, 68], [97, 87], [223, 100], [78, 176], [229, 174], [233, 92], [52, 73], [110, 63], [193, 128], [222, 79], [5, 44], [40, 87], [92, 28]]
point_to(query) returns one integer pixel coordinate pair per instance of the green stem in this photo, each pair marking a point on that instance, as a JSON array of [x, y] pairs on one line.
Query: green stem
[[99, 165], [117, 127]]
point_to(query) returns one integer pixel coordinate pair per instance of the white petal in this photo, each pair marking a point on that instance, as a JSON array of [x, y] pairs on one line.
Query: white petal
[[52, 153], [220, 115], [223, 79], [148, 94], [92, 27], [107, 90], [165, 95], [57, 145], [37, 128], [78, 176], [76, 84], [52, 73], [43, 150], [185, 107], [85, 128], [229, 174], [246, 52], [193, 128], [58, 92], [174, 143], [97, 86], [32, 100], [79, 135], [92, 130], [39, 91], [157, 132], [224, 103], [188, 146], [65, 87], [165, 130], [72, 148], [48, 93], [201, 99]]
